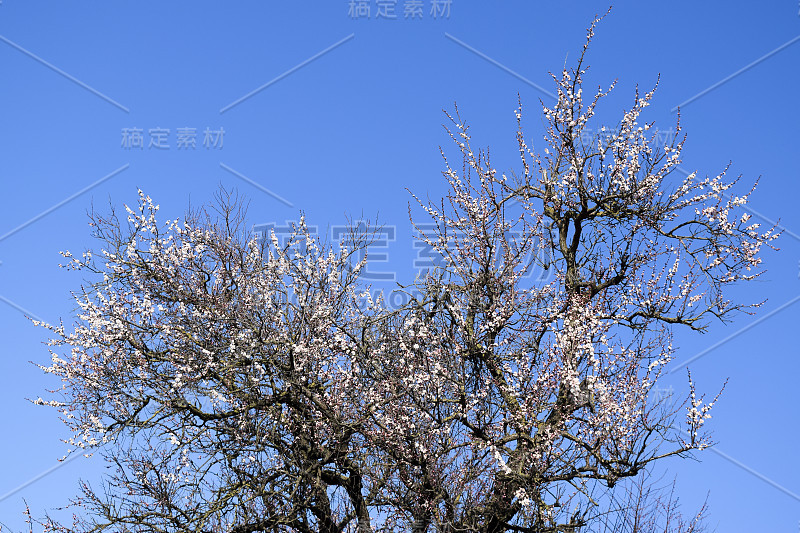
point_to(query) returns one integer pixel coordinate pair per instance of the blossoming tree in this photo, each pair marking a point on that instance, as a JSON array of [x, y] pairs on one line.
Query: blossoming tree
[[244, 385]]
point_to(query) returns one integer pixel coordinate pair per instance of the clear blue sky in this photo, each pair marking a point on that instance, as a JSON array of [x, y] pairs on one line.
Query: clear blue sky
[[347, 132]]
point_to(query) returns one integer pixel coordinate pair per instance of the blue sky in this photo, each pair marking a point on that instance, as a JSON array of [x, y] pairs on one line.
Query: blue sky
[[344, 113]]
